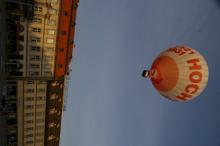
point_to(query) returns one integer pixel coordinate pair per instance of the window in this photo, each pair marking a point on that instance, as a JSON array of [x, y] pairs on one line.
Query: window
[[40, 121], [48, 58], [34, 73], [52, 1], [51, 31], [35, 48], [40, 90], [34, 66], [49, 49], [41, 98], [40, 127], [48, 66], [52, 11], [40, 105], [29, 90], [37, 20], [30, 82], [29, 114], [36, 29], [39, 134], [41, 82], [50, 40], [28, 135], [39, 140], [29, 99], [40, 113], [29, 129], [38, 9], [51, 22], [29, 142], [29, 121], [29, 107], [48, 73], [34, 57], [35, 39]]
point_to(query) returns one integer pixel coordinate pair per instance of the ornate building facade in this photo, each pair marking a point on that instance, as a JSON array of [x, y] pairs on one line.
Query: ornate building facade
[[38, 50]]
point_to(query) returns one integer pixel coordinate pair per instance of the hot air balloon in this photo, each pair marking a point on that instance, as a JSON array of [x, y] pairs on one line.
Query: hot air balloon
[[179, 73]]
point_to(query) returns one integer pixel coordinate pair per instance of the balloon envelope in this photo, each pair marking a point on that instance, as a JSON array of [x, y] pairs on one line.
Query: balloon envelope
[[179, 73]]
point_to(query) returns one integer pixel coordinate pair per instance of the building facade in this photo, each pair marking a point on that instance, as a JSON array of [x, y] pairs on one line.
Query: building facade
[[32, 29], [38, 50], [31, 111], [54, 112], [65, 39], [10, 93], [57, 87]]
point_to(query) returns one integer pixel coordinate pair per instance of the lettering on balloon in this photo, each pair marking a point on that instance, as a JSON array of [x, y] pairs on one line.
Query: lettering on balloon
[[181, 50], [195, 77]]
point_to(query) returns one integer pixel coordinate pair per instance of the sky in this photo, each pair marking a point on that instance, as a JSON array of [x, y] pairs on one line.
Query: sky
[[110, 104]]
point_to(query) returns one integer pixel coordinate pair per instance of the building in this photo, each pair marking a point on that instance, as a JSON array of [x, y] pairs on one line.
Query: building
[[56, 90], [65, 39], [39, 44], [11, 112], [2, 73], [54, 112], [32, 29], [31, 111]]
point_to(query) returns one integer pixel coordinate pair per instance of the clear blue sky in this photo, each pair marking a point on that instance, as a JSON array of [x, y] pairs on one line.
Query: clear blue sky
[[110, 104]]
